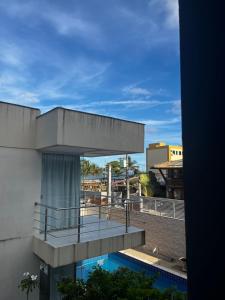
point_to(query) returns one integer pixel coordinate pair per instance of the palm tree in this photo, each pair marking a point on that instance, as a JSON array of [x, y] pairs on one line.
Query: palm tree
[[88, 168], [132, 165], [95, 170], [85, 167], [116, 168]]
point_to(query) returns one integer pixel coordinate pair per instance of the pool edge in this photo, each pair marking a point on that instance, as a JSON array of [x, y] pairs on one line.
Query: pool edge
[[154, 264]]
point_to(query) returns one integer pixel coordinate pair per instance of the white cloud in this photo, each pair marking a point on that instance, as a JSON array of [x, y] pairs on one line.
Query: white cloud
[[176, 107], [70, 79], [10, 55], [119, 22], [172, 18], [161, 122], [70, 24], [169, 9], [28, 97], [129, 102], [119, 104], [136, 91]]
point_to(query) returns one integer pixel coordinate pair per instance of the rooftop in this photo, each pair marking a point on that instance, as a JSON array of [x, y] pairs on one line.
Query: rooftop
[[169, 164], [62, 130]]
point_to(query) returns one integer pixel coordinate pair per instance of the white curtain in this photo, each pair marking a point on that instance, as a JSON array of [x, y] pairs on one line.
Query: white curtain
[[61, 188]]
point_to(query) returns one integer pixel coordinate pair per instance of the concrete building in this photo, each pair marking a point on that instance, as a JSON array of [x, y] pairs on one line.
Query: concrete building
[[172, 174], [42, 223], [160, 152]]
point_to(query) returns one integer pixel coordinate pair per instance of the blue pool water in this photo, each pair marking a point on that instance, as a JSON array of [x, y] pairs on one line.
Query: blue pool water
[[113, 261]]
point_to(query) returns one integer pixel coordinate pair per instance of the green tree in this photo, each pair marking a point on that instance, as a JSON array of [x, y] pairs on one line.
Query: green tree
[[156, 188], [150, 186], [72, 289], [145, 185], [122, 284], [85, 167], [95, 170], [116, 168], [132, 165], [28, 283], [88, 168]]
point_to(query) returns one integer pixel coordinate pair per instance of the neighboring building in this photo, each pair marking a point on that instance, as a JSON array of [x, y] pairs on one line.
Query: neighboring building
[[160, 152], [172, 173], [43, 227]]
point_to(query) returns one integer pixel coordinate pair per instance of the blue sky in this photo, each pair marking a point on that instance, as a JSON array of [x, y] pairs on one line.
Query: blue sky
[[117, 58]]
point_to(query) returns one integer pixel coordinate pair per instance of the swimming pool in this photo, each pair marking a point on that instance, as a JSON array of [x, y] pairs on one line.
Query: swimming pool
[[113, 261]]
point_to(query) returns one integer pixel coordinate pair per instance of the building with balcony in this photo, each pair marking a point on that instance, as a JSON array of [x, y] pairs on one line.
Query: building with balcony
[[172, 174], [160, 153], [43, 224]]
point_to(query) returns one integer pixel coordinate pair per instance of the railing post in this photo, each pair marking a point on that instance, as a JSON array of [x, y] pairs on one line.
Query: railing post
[[141, 204], [126, 208], [46, 224], [128, 212], [99, 212], [155, 205], [78, 227], [174, 210]]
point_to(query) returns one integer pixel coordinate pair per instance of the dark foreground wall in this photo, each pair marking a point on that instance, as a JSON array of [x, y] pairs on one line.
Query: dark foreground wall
[[202, 93]]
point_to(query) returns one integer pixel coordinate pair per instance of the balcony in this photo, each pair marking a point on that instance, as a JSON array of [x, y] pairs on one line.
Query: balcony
[[66, 235]]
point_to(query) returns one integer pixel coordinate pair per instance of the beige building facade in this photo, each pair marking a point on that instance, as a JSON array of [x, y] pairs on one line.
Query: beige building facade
[[157, 153]]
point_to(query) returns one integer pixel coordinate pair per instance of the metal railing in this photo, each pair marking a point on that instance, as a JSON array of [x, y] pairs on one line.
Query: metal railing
[[164, 207], [94, 214], [88, 218]]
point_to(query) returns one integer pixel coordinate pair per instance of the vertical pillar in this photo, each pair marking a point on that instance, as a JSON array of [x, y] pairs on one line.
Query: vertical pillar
[[127, 179], [109, 184], [139, 194], [202, 93]]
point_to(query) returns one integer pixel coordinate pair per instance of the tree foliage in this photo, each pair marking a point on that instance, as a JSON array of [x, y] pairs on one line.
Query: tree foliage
[[88, 168], [122, 284], [156, 188], [145, 185], [28, 283], [117, 169], [150, 186]]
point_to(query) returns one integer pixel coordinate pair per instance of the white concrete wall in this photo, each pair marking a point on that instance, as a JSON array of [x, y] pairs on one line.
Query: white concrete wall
[[20, 187], [17, 126], [47, 129], [21, 132]]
